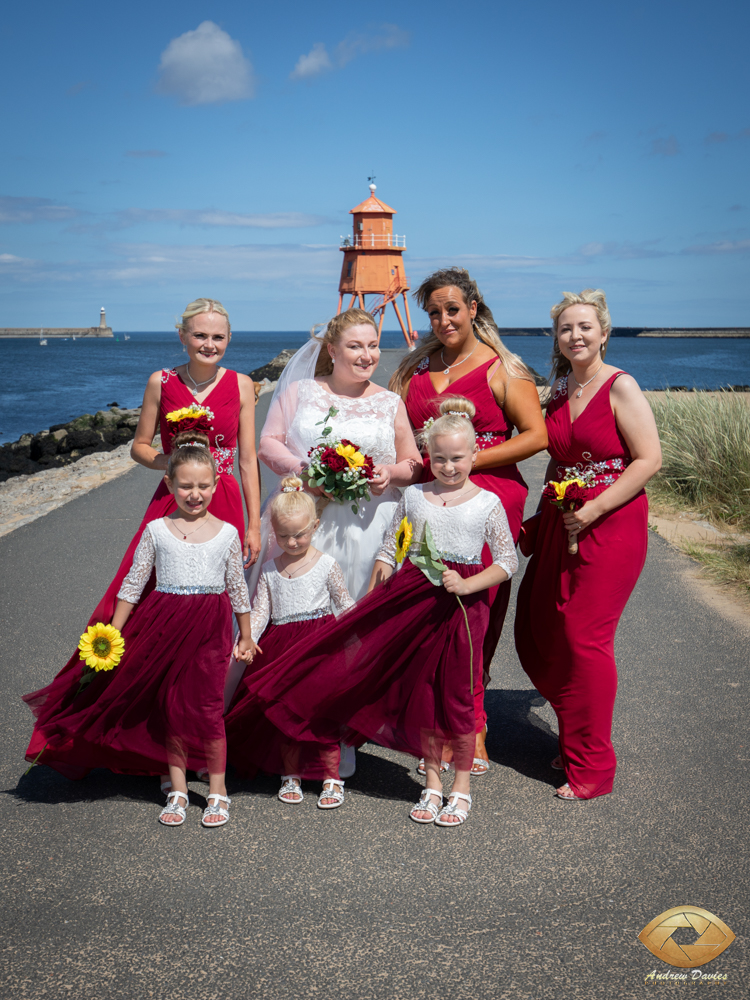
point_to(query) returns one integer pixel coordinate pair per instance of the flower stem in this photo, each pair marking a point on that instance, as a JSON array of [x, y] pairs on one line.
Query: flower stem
[[33, 763], [471, 649]]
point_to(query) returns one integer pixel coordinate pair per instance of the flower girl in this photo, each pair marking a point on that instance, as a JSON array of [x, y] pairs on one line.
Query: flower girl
[[399, 668], [162, 704], [295, 597]]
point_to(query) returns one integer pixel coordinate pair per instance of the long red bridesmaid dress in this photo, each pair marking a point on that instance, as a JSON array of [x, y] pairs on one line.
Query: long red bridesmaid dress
[[505, 481], [224, 403], [569, 605]]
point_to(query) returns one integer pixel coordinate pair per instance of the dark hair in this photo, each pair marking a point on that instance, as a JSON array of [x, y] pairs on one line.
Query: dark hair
[[187, 447]]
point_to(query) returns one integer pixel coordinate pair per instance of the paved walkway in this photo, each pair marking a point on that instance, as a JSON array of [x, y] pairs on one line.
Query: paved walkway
[[532, 898]]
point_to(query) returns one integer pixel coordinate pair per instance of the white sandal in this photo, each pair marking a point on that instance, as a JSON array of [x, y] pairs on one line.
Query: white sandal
[[426, 804], [444, 766], [291, 785], [452, 809], [336, 792], [166, 787], [215, 810], [172, 808]]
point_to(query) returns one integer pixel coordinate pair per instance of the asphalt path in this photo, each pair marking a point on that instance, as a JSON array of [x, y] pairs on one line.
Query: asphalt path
[[532, 897]]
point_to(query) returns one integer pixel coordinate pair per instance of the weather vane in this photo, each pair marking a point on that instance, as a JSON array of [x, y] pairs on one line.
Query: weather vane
[[371, 179]]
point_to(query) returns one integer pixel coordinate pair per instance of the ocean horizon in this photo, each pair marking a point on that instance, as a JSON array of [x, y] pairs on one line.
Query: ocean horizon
[[55, 383]]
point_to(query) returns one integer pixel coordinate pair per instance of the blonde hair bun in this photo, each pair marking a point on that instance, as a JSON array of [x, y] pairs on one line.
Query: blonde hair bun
[[292, 499], [457, 406]]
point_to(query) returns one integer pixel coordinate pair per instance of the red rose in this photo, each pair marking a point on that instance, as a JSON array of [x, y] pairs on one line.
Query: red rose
[[548, 493], [576, 496]]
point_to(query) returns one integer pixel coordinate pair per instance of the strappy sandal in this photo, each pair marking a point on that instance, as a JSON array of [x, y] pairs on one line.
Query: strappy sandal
[[216, 810], [452, 809], [201, 774], [568, 798], [426, 804], [291, 785], [172, 808], [444, 766], [557, 763], [335, 792], [479, 767]]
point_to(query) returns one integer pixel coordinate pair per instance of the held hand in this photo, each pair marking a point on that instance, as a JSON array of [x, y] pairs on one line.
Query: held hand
[[576, 520], [454, 583], [381, 480], [245, 650], [251, 546]]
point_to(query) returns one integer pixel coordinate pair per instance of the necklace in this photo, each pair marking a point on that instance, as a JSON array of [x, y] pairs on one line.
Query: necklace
[[456, 497], [455, 363], [291, 575], [197, 385], [582, 386], [185, 534]]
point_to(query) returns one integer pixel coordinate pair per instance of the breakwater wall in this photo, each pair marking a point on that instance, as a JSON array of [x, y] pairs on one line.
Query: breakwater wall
[[63, 444], [37, 332], [637, 331]]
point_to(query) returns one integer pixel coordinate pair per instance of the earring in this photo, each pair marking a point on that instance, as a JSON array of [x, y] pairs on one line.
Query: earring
[[333, 360]]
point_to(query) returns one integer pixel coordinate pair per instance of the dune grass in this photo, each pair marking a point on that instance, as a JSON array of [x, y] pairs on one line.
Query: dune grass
[[706, 455]]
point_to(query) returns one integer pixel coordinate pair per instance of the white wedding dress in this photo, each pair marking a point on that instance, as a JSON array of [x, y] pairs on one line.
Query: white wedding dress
[[353, 540]]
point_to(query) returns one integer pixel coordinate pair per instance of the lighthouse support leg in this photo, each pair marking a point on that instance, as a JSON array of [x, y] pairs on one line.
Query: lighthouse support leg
[[405, 332], [341, 299], [352, 302], [380, 324], [408, 317]]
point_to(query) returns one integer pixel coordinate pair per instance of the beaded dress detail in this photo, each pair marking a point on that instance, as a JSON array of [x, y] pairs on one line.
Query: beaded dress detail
[[313, 595]]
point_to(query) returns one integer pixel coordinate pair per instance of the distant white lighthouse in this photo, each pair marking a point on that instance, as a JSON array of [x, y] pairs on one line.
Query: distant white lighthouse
[[102, 319]]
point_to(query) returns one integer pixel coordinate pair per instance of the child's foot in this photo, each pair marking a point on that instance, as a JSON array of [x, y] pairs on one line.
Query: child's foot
[[453, 814], [566, 793], [174, 812], [426, 811], [332, 795], [214, 814], [291, 790]]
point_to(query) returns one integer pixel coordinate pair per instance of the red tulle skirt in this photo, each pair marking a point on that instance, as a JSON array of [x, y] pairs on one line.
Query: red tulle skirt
[[162, 704], [397, 669]]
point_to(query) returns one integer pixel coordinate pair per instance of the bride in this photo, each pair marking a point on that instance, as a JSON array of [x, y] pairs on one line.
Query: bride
[[334, 370]]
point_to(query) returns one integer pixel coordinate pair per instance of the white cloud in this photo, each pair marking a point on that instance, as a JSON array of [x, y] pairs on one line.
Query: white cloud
[[722, 247], [205, 66], [33, 210], [376, 38], [314, 63], [214, 217]]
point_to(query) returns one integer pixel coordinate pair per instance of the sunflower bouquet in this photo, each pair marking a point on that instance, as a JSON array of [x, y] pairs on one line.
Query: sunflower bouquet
[[195, 417], [339, 467], [569, 493]]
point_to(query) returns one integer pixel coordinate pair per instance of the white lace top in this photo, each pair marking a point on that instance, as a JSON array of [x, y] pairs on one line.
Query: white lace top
[[367, 421], [188, 568], [460, 533], [316, 593]]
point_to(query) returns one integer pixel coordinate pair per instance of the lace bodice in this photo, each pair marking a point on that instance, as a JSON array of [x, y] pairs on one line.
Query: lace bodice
[[460, 533], [188, 568], [311, 595], [367, 421]]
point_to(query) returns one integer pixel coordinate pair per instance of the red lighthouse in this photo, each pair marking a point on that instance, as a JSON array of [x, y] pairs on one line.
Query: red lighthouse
[[373, 263]]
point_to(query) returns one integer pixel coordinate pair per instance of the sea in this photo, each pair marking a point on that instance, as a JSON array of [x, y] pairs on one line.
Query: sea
[[55, 383]]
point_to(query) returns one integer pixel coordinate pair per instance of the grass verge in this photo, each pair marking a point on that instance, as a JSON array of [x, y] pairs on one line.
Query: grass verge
[[727, 563]]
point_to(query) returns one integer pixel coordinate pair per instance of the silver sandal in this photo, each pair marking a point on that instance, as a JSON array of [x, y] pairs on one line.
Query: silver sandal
[[291, 785], [452, 809], [444, 766], [336, 792], [426, 804], [172, 808], [216, 810]]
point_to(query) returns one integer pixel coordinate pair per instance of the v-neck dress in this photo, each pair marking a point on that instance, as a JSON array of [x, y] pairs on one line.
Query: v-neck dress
[[569, 605], [505, 481], [226, 504]]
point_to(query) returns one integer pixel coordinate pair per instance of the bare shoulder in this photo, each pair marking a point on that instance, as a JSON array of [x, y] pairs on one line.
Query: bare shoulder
[[625, 388], [245, 383]]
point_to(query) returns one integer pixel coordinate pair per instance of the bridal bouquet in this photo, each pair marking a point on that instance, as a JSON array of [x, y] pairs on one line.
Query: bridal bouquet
[[339, 467], [570, 493], [190, 418]]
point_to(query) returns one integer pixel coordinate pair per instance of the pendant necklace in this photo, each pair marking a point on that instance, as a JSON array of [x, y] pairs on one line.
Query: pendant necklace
[[583, 385], [451, 499], [197, 385], [290, 576], [185, 535], [455, 364]]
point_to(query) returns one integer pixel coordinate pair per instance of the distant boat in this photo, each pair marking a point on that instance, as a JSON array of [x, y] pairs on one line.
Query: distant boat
[[42, 341], [126, 336]]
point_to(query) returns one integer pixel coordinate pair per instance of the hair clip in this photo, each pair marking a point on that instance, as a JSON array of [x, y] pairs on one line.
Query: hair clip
[[459, 413], [291, 489], [191, 444]]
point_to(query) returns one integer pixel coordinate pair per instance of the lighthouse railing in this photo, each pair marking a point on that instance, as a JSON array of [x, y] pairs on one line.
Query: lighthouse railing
[[372, 241]]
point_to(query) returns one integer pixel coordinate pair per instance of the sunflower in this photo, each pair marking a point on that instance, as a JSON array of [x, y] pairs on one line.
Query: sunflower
[[403, 540], [354, 458], [189, 412], [101, 647]]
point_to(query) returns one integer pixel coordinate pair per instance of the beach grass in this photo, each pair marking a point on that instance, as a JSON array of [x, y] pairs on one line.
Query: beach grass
[[727, 563], [705, 442]]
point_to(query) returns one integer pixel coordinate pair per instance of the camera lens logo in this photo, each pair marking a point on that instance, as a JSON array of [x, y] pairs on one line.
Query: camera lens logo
[[712, 937]]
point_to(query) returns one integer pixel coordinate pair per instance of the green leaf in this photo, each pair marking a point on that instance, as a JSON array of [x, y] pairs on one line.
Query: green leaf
[[321, 481], [429, 541], [326, 431], [433, 573], [355, 509]]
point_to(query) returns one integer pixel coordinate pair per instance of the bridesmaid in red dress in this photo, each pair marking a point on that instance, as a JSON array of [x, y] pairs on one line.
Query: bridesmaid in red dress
[[569, 605], [205, 333], [465, 354]]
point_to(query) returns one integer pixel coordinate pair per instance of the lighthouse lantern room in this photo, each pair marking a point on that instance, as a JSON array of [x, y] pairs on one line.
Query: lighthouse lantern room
[[373, 264]]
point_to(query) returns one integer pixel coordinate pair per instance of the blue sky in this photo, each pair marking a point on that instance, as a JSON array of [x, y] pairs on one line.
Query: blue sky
[[157, 152]]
